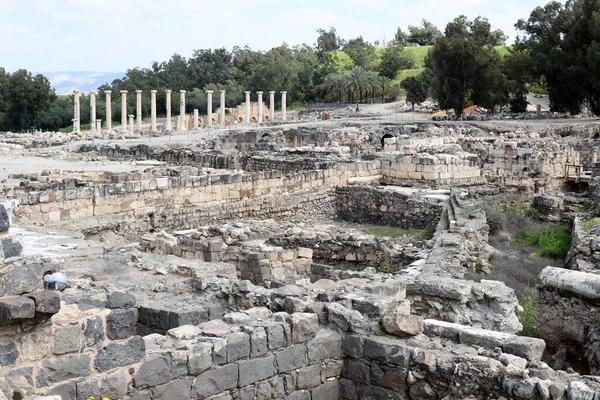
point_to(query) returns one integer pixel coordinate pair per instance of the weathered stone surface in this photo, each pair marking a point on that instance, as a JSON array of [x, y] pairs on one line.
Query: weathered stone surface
[[115, 385], [15, 308], [238, 346], [46, 301], [216, 381], [275, 336], [530, 348], [61, 369], [10, 247], [357, 371], [327, 391], [120, 300], [376, 393], [67, 339], [257, 369], [291, 358], [575, 282], [353, 346], [94, 331], [346, 319], [35, 346], [185, 332], [387, 350], [87, 388], [4, 220], [326, 344], [402, 325], [299, 395], [66, 391], [309, 377], [304, 326], [121, 323], [8, 352], [156, 370], [200, 358], [24, 277], [119, 355], [421, 390], [176, 389]]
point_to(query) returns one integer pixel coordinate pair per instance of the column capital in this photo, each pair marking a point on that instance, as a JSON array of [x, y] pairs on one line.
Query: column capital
[[154, 91], [76, 91], [108, 92], [271, 92], [182, 91], [222, 91], [123, 91], [259, 92], [139, 91], [247, 92], [93, 92], [284, 92], [131, 116], [209, 91], [168, 91]]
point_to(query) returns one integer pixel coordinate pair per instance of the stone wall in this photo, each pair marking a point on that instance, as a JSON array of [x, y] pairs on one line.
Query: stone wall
[[381, 206], [433, 169], [76, 199], [568, 308]]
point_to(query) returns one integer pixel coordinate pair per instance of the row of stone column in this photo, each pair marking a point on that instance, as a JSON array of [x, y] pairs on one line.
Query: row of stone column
[[96, 123]]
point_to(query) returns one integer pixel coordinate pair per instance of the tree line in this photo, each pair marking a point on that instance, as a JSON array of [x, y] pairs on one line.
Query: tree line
[[557, 51]]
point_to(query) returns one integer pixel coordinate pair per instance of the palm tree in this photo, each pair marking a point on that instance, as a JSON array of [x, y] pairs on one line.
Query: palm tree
[[356, 83], [334, 86], [383, 82]]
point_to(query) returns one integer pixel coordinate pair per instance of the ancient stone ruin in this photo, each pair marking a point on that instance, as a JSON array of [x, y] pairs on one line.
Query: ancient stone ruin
[[244, 264]]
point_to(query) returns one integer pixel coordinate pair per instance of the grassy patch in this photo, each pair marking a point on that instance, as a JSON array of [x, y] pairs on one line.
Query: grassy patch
[[590, 223], [528, 317], [551, 242], [396, 232], [417, 54]]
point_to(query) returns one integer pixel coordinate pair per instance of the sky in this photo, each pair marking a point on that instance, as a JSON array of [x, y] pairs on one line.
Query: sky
[[116, 35]]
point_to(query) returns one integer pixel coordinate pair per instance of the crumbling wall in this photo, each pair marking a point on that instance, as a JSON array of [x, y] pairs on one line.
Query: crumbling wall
[[76, 199], [568, 314], [380, 206]]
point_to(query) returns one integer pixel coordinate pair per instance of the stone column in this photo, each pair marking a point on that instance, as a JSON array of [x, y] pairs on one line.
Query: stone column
[[93, 111], [283, 106], [131, 116], [98, 125], [76, 116], [260, 109], [124, 110], [153, 111], [169, 124], [195, 120], [108, 93], [272, 105], [182, 110], [222, 110], [138, 109], [209, 94], [248, 107]]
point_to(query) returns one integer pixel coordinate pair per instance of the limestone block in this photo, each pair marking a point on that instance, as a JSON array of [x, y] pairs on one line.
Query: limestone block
[[530, 348], [67, 339], [402, 325]]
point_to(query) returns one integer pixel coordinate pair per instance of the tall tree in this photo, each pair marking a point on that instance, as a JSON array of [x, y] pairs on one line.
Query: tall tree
[[416, 92], [25, 97], [361, 52], [424, 35], [564, 43], [464, 62]]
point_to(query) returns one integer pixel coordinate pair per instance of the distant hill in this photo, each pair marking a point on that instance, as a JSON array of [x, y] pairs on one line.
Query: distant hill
[[64, 82]]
